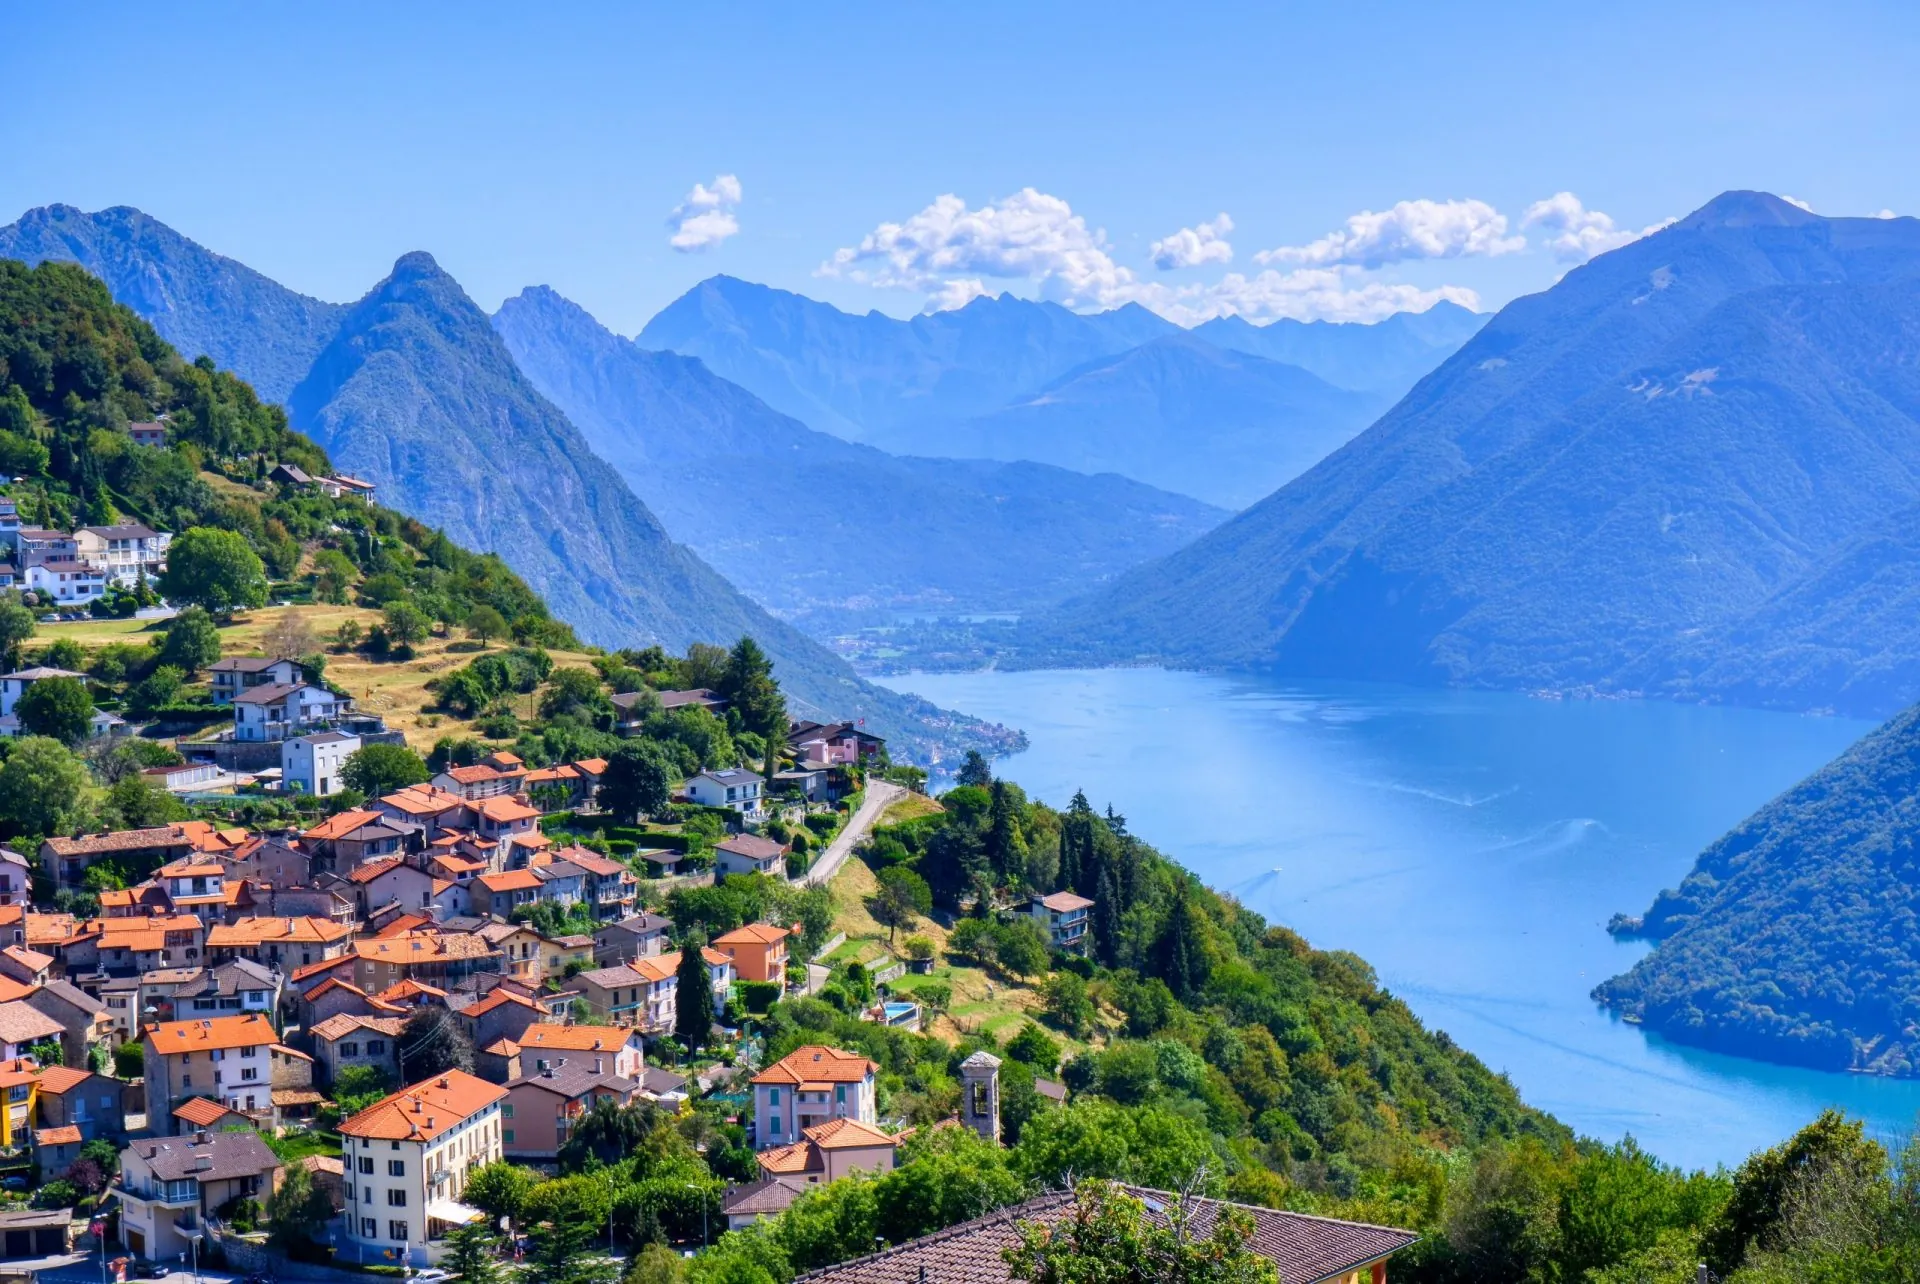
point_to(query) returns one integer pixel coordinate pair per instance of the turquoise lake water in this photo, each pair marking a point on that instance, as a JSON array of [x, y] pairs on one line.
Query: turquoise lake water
[[1469, 845]]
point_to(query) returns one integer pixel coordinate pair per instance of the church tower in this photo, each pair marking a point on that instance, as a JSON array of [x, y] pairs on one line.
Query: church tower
[[980, 1095]]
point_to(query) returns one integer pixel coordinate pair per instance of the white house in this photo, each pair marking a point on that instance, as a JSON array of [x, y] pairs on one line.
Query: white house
[[407, 1158], [729, 787], [125, 551], [224, 1058], [15, 684], [1063, 916], [67, 583], [750, 854], [311, 764], [809, 1086], [277, 710]]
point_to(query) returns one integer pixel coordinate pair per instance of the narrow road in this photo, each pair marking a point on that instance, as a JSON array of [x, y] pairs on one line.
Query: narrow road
[[880, 795]]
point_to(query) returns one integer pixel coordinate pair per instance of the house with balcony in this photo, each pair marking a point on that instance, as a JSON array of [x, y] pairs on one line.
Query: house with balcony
[[757, 951], [169, 1186], [15, 684], [544, 1045], [1064, 917], [232, 988], [125, 552], [278, 943], [731, 787], [227, 1059], [134, 945], [275, 711], [233, 675], [498, 775], [541, 1109], [631, 938], [65, 583], [833, 744], [608, 885], [810, 1086], [407, 1159]]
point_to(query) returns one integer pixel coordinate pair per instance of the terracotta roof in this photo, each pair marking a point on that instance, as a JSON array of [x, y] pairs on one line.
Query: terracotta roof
[[342, 1024], [62, 1079], [171, 1037], [285, 1051], [201, 1112], [754, 934], [342, 825], [32, 960], [308, 970], [593, 862], [794, 1157], [304, 930], [1065, 901], [574, 1038], [424, 1110], [1307, 1250], [367, 871], [408, 989], [514, 880], [847, 1134], [190, 868], [65, 1136], [500, 997], [477, 774], [593, 766], [815, 1064], [502, 811], [423, 800], [423, 947]]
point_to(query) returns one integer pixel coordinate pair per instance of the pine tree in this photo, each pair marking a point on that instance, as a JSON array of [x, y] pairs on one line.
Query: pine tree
[[974, 771], [1076, 846], [1005, 841], [1180, 951], [693, 1017], [1106, 919]]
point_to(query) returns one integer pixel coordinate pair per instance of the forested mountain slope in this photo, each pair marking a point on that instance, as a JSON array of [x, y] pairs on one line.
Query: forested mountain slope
[[801, 519], [1178, 412], [1602, 489], [199, 301], [1793, 939], [417, 393]]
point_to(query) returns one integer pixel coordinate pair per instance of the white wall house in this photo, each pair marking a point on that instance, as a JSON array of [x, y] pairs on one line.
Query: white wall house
[[311, 764], [810, 1086], [124, 552], [730, 787], [15, 684], [407, 1159], [66, 583], [236, 673], [278, 710]]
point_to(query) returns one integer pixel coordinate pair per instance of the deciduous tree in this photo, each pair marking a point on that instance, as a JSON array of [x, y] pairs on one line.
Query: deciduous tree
[[374, 770], [215, 569], [59, 708]]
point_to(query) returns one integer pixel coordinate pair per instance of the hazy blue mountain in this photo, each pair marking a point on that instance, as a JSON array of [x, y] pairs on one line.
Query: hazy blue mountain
[[801, 519], [199, 301], [1792, 938], [418, 393], [1609, 486], [857, 376], [1386, 357], [1177, 412]]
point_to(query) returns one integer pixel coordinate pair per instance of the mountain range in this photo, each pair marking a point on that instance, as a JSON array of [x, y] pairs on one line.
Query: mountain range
[[1209, 413], [803, 520], [415, 391], [1793, 939], [1690, 468]]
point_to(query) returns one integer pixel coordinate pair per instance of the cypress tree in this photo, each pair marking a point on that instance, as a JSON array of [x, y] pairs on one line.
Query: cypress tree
[[1180, 952], [693, 1017], [1106, 919]]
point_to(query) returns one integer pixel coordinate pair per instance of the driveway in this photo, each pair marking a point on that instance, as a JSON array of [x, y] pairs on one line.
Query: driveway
[[880, 795]]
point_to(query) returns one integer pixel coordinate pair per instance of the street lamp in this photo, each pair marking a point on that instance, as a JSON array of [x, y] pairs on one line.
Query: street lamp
[[704, 1201]]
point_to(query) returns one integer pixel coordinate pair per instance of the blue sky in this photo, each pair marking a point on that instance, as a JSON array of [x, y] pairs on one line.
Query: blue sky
[[522, 147]]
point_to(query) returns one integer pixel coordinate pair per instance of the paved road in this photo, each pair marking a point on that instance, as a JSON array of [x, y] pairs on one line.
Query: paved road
[[879, 796]]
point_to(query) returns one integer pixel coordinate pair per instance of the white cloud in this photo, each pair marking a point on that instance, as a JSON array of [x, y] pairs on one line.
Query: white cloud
[[949, 251], [1886, 214], [1410, 230], [705, 218], [1795, 200], [1194, 246], [1575, 233], [1028, 236]]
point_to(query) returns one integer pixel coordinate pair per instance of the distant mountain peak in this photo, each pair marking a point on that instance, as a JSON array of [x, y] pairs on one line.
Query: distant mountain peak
[[415, 264], [1748, 209]]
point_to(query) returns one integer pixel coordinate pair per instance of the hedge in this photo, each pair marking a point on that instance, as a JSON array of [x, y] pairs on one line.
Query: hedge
[[191, 713]]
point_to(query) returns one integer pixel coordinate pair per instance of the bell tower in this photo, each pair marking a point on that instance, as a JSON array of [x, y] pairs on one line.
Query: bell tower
[[980, 1095]]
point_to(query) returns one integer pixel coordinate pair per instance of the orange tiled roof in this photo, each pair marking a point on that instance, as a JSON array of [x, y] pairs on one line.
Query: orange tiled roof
[[422, 947], [844, 1134], [500, 997], [303, 930], [190, 869], [503, 811], [170, 1038], [754, 934], [791, 1158], [367, 871], [65, 1136], [815, 1064], [424, 1110], [307, 970], [401, 924], [201, 1112], [514, 880], [340, 826], [593, 766], [59, 1079], [32, 960], [408, 989], [574, 1038], [423, 800]]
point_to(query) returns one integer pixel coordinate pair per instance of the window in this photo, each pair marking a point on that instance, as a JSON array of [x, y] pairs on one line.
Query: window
[[368, 1229], [366, 1196], [248, 1073], [773, 1096], [396, 1168], [349, 1049], [840, 1093], [397, 1230], [506, 1111], [509, 1136], [396, 1198], [366, 1164], [376, 1047], [776, 1125]]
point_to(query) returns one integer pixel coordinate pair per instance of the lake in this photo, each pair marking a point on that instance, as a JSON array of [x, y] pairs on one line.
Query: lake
[[1470, 845]]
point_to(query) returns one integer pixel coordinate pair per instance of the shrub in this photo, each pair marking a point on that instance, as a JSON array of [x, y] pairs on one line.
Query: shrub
[[759, 996]]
